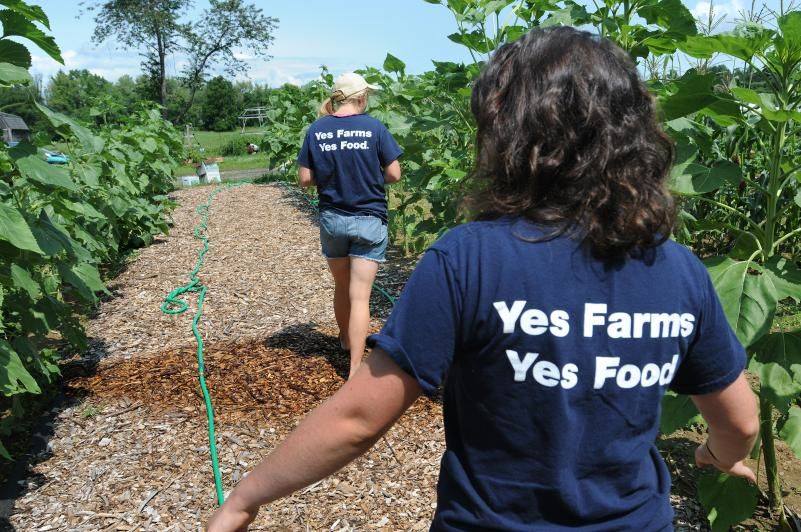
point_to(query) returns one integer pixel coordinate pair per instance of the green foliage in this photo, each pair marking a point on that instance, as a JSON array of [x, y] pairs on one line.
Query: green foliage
[[59, 225], [75, 92], [238, 145], [222, 106], [728, 500]]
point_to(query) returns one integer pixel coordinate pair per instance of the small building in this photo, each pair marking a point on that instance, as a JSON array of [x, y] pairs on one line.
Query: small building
[[14, 129]]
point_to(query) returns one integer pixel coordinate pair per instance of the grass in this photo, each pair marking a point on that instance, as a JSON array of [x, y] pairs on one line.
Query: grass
[[237, 162], [212, 143]]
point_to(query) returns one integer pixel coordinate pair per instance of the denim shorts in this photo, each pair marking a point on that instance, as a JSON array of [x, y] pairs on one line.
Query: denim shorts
[[363, 237]]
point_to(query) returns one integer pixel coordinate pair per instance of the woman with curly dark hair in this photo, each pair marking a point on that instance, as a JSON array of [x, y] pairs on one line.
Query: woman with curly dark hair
[[555, 322]]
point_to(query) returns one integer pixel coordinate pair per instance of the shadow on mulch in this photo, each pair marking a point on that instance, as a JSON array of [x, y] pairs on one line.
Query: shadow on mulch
[[275, 380]]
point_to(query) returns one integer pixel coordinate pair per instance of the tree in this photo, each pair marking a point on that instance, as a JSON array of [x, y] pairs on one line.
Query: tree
[[157, 27], [21, 100], [221, 106], [152, 26], [224, 27], [74, 92]]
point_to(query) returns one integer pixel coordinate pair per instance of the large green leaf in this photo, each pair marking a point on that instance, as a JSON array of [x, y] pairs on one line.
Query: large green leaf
[[786, 277], [14, 378], [678, 411], [88, 173], [393, 64], [23, 280], [776, 384], [748, 299], [727, 500], [90, 142], [14, 229], [42, 361], [783, 348], [740, 46], [766, 103], [693, 178], [16, 24], [12, 74], [31, 12], [51, 238], [790, 41], [475, 41], [791, 431], [14, 53], [692, 93], [85, 278], [672, 15], [37, 169]]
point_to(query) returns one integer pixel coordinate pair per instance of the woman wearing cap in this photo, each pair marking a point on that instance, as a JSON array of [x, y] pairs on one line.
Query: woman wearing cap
[[350, 157], [556, 322]]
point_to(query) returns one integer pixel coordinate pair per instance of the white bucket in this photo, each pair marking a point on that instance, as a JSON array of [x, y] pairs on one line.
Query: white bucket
[[213, 173], [189, 180]]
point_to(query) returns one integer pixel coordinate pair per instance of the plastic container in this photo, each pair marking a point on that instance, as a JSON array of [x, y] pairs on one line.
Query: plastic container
[[190, 180], [209, 173]]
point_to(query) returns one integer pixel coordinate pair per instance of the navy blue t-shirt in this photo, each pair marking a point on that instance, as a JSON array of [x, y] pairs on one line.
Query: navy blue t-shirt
[[347, 155], [554, 366]]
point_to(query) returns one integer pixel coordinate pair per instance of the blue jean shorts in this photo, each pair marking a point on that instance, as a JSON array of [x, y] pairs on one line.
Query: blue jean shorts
[[363, 237]]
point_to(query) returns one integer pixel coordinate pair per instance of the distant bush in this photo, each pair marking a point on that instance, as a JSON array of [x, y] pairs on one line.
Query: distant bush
[[239, 145]]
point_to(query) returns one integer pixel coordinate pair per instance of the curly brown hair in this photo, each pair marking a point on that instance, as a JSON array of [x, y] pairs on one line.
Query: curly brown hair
[[568, 137]]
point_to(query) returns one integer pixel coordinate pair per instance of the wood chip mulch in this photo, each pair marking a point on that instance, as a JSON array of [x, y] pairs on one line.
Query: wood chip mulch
[[130, 451]]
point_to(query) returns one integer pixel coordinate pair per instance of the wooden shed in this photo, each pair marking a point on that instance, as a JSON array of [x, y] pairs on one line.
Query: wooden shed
[[14, 128]]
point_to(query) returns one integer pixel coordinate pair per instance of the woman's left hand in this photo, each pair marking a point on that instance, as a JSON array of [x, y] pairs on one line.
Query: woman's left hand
[[230, 519]]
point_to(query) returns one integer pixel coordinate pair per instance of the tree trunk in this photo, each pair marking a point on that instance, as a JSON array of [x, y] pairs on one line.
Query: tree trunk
[[163, 83], [162, 73]]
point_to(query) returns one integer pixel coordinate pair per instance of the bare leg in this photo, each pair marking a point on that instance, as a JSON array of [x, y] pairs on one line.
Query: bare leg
[[362, 275], [340, 270]]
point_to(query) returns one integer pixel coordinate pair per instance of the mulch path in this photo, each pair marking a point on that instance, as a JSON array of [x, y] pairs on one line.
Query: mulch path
[[130, 452]]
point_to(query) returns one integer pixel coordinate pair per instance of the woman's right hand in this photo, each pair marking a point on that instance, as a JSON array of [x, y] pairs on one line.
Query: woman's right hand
[[704, 458], [230, 519]]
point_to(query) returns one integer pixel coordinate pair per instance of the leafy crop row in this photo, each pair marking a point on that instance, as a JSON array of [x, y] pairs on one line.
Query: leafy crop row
[[59, 225], [732, 103]]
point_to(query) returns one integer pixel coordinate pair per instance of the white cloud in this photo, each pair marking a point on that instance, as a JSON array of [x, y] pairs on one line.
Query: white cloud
[[106, 62], [111, 63], [730, 9], [278, 71]]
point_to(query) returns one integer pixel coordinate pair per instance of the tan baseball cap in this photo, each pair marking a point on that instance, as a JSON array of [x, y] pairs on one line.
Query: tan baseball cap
[[350, 84]]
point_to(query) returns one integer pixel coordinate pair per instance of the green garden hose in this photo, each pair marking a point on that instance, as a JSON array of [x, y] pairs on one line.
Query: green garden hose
[[175, 304]]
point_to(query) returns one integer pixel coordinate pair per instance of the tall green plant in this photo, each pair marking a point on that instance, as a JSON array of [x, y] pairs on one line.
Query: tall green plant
[[60, 225]]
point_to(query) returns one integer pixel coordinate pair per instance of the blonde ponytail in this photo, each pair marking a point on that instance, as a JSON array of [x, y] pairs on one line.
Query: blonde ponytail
[[333, 102], [327, 108]]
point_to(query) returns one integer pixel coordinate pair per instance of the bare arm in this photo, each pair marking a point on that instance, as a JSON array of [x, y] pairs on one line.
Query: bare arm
[[335, 433], [733, 421], [305, 177], [392, 173]]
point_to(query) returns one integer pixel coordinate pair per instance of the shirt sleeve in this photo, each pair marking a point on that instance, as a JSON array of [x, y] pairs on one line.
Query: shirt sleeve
[[715, 357], [305, 156], [388, 148], [421, 333]]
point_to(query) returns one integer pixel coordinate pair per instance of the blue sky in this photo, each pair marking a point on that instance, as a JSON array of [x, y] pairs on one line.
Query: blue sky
[[341, 35]]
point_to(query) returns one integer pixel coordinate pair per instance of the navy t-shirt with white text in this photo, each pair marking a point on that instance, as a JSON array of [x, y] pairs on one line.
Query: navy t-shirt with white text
[[554, 365], [347, 155]]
